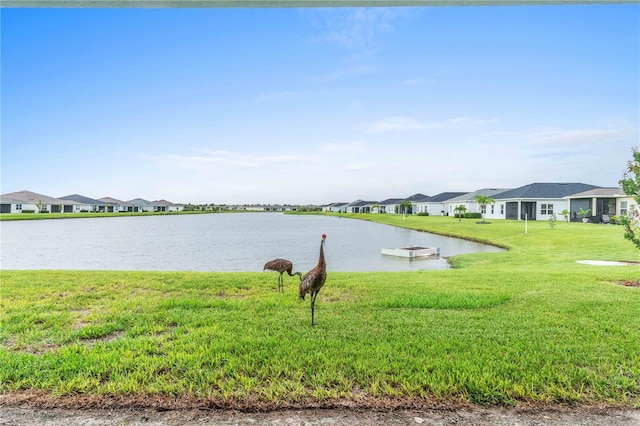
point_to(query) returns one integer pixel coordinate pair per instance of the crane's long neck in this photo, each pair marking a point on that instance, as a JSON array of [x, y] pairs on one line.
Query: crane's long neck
[[321, 261]]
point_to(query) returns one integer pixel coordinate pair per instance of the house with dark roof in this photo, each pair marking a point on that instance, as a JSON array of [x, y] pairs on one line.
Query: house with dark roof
[[360, 206], [390, 205], [468, 200], [603, 203], [436, 205], [536, 201], [85, 204]]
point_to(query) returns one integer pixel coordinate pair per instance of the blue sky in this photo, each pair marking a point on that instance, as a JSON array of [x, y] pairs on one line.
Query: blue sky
[[316, 105]]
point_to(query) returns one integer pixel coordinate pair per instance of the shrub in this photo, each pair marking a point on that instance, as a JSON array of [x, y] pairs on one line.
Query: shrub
[[469, 215], [28, 211], [45, 211], [423, 214]]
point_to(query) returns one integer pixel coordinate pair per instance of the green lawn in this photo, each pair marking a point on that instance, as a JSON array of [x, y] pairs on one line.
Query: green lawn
[[526, 325]]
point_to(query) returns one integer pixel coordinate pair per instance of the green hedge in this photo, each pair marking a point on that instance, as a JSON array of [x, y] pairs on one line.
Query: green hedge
[[470, 215]]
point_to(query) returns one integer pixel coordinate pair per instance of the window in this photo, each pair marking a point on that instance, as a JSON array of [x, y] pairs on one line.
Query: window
[[502, 209], [623, 208], [483, 209], [492, 207], [546, 208], [18, 206]]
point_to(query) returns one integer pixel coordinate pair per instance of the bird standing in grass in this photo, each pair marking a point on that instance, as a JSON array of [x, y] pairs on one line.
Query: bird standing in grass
[[313, 280], [282, 266]]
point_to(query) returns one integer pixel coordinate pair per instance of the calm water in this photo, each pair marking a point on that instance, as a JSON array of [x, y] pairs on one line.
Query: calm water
[[215, 242]]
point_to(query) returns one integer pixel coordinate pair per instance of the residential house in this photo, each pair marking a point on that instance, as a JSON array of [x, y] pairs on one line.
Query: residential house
[[436, 205], [469, 202], [115, 205], [390, 205], [16, 202], [255, 207], [166, 206], [86, 204], [601, 202], [360, 206], [417, 200], [536, 201], [140, 205], [335, 207]]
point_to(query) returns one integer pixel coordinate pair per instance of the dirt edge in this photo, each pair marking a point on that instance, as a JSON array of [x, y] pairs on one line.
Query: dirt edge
[[45, 400]]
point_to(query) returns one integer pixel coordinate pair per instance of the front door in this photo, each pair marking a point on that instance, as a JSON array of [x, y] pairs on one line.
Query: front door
[[528, 209]]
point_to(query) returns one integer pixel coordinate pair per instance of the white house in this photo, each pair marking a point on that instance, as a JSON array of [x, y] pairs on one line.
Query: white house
[[335, 207], [536, 201], [17, 202], [360, 206], [85, 204], [436, 205], [469, 202], [390, 205], [115, 205], [166, 206], [141, 205]]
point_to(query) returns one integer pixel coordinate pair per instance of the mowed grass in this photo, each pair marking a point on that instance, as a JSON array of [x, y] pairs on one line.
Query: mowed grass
[[526, 325]]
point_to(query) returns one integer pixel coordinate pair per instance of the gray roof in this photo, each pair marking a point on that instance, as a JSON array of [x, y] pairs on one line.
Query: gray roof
[[418, 198], [82, 199], [139, 202], [393, 201], [600, 192], [163, 203], [489, 192], [110, 200], [33, 198], [359, 203], [444, 196], [545, 190]]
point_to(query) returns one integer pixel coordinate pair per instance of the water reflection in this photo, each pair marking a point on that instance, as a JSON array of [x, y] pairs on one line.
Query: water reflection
[[216, 242]]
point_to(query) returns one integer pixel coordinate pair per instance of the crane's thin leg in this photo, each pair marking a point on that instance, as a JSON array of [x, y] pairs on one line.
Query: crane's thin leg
[[313, 304], [280, 285]]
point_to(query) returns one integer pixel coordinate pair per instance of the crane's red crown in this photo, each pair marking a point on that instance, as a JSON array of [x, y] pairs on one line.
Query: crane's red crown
[[324, 236]]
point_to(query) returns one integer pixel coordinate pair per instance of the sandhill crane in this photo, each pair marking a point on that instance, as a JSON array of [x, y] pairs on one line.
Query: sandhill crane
[[313, 280], [282, 266]]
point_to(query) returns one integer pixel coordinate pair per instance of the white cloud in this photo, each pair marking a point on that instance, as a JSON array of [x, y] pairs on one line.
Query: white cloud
[[576, 137], [358, 166], [265, 97], [411, 82], [357, 29], [344, 147], [405, 124], [224, 159], [343, 73], [393, 124]]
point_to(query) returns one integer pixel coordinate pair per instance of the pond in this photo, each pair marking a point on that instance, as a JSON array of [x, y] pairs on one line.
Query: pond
[[216, 242]]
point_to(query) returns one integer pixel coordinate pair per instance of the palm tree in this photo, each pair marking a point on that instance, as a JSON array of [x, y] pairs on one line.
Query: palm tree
[[460, 211], [483, 201], [406, 207]]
